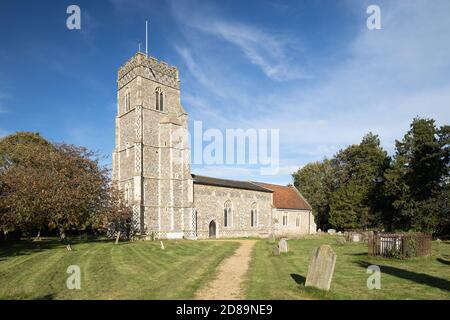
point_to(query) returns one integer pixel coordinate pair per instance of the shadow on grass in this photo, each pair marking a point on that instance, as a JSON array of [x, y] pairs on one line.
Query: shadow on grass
[[24, 247], [447, 262], [50, 296], [358, 254], [420, 278], [298, 278]]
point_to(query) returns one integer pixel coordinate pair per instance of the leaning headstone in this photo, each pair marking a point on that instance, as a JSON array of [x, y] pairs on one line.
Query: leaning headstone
[[321, 268], [283, 246], [276, 251], [162, 245], [331, 231]]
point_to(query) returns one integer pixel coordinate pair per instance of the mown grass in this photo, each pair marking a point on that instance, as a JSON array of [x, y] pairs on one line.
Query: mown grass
[[283, 277], [129, 270]]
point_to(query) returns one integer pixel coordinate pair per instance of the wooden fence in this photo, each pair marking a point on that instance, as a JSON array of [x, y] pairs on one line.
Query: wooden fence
[[401, 245]]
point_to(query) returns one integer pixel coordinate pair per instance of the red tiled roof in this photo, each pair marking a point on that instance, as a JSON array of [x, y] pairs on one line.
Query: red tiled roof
[[286, 197]]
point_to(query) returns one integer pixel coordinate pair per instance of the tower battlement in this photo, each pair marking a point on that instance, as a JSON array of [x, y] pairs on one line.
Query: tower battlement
[[150, 68]]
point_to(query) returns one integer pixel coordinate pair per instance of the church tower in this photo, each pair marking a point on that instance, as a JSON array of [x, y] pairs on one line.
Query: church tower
[[151, 156]]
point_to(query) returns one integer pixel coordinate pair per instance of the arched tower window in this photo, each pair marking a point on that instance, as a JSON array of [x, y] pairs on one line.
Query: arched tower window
[[227, 219], [159, 99], [254, 216]]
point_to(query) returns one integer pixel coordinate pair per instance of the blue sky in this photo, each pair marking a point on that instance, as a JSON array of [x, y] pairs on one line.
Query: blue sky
[[309, 68]]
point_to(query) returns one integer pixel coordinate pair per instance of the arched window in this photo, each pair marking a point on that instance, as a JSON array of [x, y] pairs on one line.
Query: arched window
[[227, 219], [161, 102], [254, 216], [159, 99]]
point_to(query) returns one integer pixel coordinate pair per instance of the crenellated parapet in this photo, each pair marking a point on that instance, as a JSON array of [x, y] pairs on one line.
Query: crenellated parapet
[[149, 68]]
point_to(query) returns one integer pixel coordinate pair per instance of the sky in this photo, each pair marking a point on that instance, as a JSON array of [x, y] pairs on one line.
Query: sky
[[311, 69]]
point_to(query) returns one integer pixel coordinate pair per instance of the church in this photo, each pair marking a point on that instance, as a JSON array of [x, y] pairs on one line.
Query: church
[[151, 164]]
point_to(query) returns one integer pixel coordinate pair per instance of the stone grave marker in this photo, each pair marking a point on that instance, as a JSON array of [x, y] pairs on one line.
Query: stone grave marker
[[283, 246], [276, 251], [321, 268], [331, 231], [340, 241], [356, 237]]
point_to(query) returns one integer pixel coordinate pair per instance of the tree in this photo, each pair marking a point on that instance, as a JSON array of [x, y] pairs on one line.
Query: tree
[[20, 209], [359, 173], [423, 153], [117, 218], [417, 182], [53, 185], [315, 182], [347, 209], [20, 146]]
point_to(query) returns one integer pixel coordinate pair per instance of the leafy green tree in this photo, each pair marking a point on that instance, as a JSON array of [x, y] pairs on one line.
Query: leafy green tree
[[315, 182], [359, 171], [417, 182], [423, 153], [347, 209]]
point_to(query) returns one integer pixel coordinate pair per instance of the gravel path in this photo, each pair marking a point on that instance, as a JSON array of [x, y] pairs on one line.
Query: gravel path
[[231, 273]]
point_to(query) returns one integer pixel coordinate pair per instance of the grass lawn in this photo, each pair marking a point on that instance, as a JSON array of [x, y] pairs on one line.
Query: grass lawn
[[130, 270], [283, 277]]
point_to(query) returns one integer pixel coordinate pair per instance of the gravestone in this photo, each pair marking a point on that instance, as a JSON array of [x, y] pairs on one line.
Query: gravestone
[[321, 268], [319, 230], [275, 251], [356, 237], [162, 246], [283, 246], [331, 231], [340, 241]]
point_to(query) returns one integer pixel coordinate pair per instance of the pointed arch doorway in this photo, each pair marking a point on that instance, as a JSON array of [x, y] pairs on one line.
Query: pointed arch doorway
[[212, 229]]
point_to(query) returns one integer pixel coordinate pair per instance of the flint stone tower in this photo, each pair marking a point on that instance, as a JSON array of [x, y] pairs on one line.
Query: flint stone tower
[[151, 156]]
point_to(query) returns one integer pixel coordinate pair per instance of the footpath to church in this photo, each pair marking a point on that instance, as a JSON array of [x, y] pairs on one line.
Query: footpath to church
[[230, 275]]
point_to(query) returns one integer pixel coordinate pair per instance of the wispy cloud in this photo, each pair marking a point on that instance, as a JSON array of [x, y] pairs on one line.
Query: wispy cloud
[[273, 53]]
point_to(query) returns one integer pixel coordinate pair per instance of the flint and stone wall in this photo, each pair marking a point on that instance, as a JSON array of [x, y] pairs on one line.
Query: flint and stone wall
[[209, 202], [299, 222]]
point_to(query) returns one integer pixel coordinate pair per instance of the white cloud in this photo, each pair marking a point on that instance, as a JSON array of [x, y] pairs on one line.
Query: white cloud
[[270, 53]]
